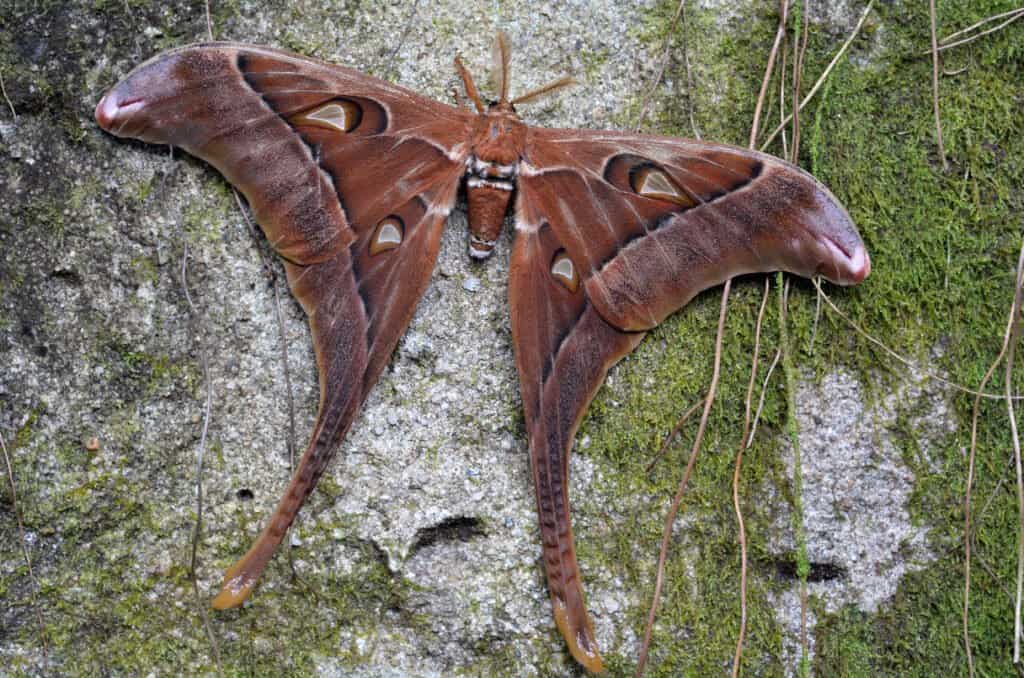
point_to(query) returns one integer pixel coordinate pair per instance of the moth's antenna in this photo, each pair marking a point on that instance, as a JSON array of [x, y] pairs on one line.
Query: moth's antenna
[[467, 82], [501, 56], [544, 90]]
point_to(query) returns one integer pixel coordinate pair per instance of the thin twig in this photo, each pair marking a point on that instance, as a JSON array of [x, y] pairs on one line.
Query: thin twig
[[782, 96], [25, 551], [995, 577], [200, 454], [405, 32], [814, 326], [209, 21], [1015, 330], [1014, 14], [794, 439], [760, 401], [824, 75], [799, 50], [741, 528], [689, 76], [670, 519], [672, 434], [979, 24], [935, 88], [906, 361], [991, 497], [665, 56], [3, 90], [772, 55], [970, 483], [271, 274]]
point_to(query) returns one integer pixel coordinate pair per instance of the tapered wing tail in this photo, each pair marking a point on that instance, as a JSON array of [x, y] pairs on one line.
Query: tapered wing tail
[[577, 371], [351, 179], [332, 425]]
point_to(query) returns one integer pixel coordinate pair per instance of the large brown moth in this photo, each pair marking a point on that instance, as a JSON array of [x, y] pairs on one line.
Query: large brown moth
[[352, 179]]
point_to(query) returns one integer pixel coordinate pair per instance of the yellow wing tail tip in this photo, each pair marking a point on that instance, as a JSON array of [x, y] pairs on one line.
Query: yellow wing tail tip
[[579, 639], [233, 592], [591, 661]]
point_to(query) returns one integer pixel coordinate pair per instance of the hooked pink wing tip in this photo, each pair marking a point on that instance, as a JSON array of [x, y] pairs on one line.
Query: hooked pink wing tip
[[860, 265], [112, 107]]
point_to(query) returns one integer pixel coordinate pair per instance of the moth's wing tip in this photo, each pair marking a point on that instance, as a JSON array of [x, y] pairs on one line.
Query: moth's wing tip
[[238, 584], [578, 633], [231, 595]]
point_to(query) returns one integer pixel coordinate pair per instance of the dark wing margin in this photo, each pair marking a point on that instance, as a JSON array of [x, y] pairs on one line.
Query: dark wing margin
[[614, 232], [351, 179]]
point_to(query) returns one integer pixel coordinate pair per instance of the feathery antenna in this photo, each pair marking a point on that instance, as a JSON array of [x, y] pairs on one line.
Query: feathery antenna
[[500, 74], [544, 90], [501, 54], [467, 82]]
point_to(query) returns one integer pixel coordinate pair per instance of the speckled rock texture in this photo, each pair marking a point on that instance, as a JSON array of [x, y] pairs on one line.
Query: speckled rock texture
[[419, 552]]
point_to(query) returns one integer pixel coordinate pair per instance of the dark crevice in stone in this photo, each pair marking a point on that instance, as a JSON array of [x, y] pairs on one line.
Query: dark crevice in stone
[[787, 569], [458, 528]]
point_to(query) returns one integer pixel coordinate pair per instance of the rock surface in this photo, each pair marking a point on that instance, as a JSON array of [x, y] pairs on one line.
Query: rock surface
[[418, 555]]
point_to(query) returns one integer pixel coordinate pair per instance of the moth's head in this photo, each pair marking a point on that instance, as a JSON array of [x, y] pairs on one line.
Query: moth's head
[[500, 75], [502, 107]]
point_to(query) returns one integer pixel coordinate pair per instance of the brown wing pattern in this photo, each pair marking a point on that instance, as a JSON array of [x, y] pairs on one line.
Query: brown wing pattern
[[563, 351], [646, 223], [351, 179], [655, 220]]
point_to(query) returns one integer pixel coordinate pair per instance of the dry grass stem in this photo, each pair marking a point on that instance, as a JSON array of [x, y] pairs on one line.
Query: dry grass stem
[[672, 435], [814, 325], [971, 456], [24, 549], [689, 74], [782, 100], [747, 424], [828, 70], [794, 439], [760, 400], [935, 88], [1013, 15], [200, 455], [799, 50], [906, 361], [995, 17], [991, 496], [271, 275], [209, 21], [665, 56], [780, 33], [1015, 330], [740, 527], [3, 90], [670, 519]]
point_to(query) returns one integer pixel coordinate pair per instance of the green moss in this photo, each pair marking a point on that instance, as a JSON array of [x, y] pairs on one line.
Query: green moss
[[204, 218], [944, 247]]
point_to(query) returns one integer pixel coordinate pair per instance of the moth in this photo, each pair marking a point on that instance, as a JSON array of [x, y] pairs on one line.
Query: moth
[[352, 179]]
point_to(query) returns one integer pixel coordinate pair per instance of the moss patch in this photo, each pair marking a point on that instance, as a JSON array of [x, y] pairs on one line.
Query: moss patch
[[943, 246]]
